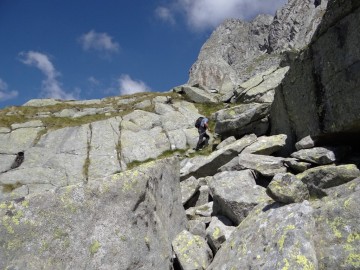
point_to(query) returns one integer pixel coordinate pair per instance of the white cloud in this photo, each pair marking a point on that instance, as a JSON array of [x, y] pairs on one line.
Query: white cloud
[[93, 81], [207, 14], [129, 86], [165, 14], [51, 87], [5, 94], [100, 42]]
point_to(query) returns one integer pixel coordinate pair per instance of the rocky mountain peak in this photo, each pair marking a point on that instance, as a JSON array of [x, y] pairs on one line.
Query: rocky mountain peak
[[237, 50]]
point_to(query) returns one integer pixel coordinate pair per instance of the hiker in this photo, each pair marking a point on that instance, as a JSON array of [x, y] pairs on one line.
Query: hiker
[[202, 125]]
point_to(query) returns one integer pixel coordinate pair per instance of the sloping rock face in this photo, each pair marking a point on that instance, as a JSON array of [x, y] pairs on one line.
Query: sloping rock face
[[325, 77], [126, 221], [238, 50], [61, 151]]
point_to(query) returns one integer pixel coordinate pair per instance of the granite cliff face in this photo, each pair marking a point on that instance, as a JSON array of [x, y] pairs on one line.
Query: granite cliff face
[[115, 184], [325, 77]]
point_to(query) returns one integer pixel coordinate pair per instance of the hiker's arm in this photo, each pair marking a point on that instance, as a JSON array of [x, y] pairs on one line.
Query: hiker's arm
[[207, 126]]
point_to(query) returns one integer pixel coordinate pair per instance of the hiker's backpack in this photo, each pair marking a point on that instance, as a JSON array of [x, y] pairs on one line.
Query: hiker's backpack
[[198, 121]]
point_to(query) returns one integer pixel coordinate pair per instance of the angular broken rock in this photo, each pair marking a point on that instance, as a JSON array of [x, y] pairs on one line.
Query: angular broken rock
[[198, 95], [296, 165], [219, 231], [192, 251], [226, 142], [265, 165], [232, 121], [266, 145], [188, 188], [305, 143], [329, 175], [317, 155], [286, 188], [204, 210], [199, 198], [197, 227], [268, 239], [208, 166], [235, 194]]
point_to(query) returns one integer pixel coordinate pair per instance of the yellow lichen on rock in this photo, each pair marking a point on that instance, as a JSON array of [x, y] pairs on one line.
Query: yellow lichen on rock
[[304, 262]]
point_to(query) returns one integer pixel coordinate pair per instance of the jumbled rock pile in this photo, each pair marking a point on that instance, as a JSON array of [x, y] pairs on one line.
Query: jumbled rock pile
[[282, 206]]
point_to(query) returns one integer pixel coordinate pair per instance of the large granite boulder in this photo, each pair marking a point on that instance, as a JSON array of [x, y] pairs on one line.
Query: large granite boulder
[[192, 251], [124, 221], [264, 90], [271, 237], [243, 119], [286, 188], [327, 176], [266, 165], [235, 194], [323, 234], [208, 166]]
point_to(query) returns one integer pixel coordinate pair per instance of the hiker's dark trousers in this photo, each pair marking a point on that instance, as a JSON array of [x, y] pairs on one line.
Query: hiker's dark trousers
[[202, 135]]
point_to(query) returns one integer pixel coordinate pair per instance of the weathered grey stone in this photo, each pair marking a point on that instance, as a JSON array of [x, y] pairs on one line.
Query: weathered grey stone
[[266, 145], [294, 25], [201, 197], [235, 194], [271, 237], [218, 232], [207, 166], [143, 145], [232, 165], [198, 95], [205, 210], [6, 160], [192, 251], [296, 165], [234, 121], [126, 101], [329, 176], [145, 120], [188, 188], [58, 159], [86, 102], [83, 226], [264, 92], [305, 143], [177, 139], [266, 165], [325, 77], [18, 140], [104, 149], [317, 155], [42, 102], [258, 78], [197, 227], [28, 124], [143, 104], [226, 142], [237, 50], [342, 191], [286, 188], [336, 237], [4, 130], [66, 113]]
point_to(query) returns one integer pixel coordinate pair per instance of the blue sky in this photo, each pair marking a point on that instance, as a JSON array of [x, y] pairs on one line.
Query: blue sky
[[86, 49]]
